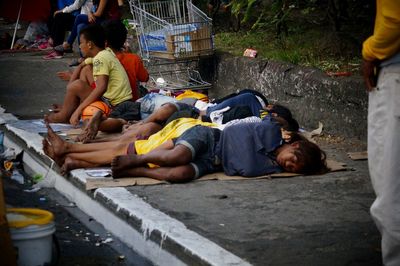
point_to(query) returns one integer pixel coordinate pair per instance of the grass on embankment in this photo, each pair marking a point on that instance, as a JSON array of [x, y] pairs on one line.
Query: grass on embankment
[[313, 48]]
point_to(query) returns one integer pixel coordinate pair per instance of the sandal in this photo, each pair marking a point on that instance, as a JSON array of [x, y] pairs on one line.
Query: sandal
[[60, 48], [53, 55], [76, 62]]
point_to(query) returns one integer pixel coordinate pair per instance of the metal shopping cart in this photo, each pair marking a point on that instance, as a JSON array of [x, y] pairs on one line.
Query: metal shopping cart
[[177, 80], [172, 36], [172, 29]]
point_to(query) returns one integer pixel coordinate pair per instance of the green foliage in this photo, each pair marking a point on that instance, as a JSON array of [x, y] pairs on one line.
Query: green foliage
[[321, 33], [297, 48], [267, 13]]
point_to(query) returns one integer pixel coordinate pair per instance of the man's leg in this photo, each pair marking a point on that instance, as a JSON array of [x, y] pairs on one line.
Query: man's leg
[[77, 91], [383, 158]]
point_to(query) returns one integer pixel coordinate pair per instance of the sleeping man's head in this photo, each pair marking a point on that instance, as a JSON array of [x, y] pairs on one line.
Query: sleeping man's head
[[303, 157]]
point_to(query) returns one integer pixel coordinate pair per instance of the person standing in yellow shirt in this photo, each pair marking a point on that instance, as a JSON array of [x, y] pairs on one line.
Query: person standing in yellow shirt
[[381, 71]]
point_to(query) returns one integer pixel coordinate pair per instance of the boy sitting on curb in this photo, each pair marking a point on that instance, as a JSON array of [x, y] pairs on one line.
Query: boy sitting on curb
[[110, 79]]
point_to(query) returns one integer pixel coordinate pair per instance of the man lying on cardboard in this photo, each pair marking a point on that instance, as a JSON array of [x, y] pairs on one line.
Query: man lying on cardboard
[[246, 149]]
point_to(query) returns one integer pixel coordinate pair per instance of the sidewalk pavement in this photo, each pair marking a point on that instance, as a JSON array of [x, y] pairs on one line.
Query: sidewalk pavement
[[315, 220]]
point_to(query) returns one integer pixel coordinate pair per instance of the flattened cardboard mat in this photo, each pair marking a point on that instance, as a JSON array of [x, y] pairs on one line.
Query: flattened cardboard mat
[[99, 182], [360, 155], [67, 130]]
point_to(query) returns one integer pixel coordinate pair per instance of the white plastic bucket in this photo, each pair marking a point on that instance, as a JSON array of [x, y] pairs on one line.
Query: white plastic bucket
[[32, 235]]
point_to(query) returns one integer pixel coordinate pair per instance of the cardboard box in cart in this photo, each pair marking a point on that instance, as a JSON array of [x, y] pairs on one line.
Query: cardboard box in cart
[[187, 45]]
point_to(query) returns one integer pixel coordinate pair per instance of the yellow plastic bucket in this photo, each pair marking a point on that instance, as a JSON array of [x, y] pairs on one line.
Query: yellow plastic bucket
[[32, 235]]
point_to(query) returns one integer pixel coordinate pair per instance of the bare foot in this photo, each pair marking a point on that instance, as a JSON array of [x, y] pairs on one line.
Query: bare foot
[[64, 75], [55, 108], [71, 164], [46, 119], [56, 118], [68, 166], [132, 125], [91, 128], [49, 151], [60, 147], [124, 162], [124, 173]]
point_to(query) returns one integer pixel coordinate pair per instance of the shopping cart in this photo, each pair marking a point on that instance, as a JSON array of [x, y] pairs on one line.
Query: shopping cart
[[177, 80], [172, 29]]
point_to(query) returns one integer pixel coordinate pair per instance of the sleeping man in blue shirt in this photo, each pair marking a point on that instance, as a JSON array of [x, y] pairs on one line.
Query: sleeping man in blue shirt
[[245, 149]]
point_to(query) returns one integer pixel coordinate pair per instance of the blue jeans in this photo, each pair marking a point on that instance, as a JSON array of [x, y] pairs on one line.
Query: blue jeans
[[81, 21], [151, 102], [245, 99], [201, 142]]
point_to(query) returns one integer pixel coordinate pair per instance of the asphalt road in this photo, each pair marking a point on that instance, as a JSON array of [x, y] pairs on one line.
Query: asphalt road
[[315, 220]]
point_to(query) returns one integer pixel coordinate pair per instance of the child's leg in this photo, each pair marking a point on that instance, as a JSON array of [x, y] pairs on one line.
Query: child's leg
[[77, 91], [131, 135], [165, 155], [180, 173], [62, 147], [91, 128], [86, 74], [112, 125], [70, 164], [93, 158], [162, 114]]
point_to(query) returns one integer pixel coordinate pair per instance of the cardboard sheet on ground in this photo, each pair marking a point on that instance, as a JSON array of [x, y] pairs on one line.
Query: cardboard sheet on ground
[[359, 155], [99, 181], [38, 126], [73, 133]]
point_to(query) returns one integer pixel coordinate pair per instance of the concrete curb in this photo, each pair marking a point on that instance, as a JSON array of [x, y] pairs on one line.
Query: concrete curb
[[150, 232]]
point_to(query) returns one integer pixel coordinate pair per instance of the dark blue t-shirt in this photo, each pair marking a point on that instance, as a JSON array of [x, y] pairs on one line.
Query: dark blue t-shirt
[[247, 149]]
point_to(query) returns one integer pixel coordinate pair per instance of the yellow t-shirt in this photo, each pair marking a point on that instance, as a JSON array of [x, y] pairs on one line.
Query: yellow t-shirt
[[118, 89], [385, 41], [171, 131]]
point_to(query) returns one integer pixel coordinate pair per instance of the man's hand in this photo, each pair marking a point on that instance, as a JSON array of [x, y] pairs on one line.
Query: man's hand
[[91, 18], [64, 75], [57, 12], [370, 73]]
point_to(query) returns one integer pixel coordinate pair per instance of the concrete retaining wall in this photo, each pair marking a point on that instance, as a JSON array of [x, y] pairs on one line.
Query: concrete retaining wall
[[339, 103]]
